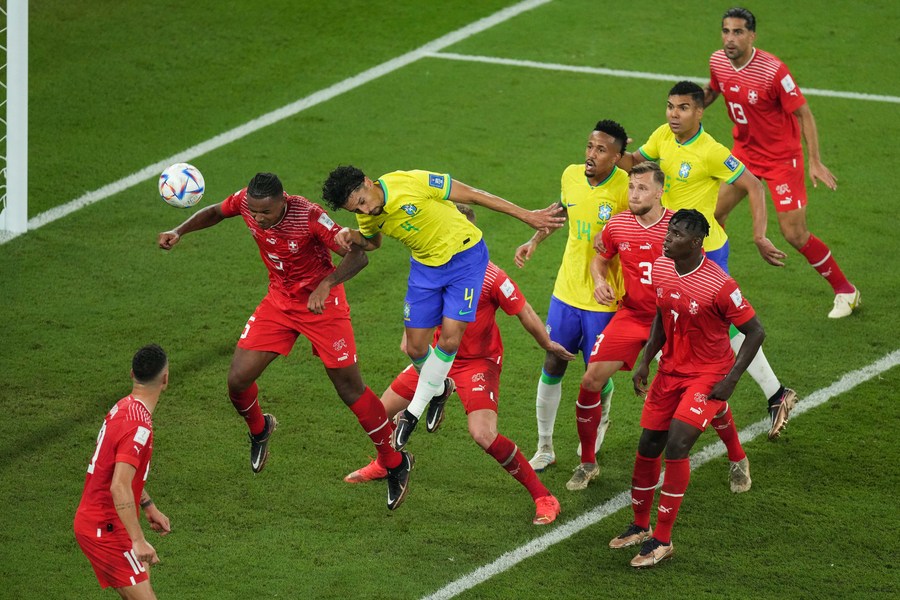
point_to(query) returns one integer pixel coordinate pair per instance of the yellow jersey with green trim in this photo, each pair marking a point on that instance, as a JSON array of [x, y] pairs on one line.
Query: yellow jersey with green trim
[[694, 171], [418, 213], [589, 209]]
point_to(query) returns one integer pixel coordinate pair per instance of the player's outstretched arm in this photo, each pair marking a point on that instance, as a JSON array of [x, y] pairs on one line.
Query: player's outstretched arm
[[817, 170], [533, 325], [603, 292], [207, 217], [654, 344], [753, 188], [629, 159], [352, 263], [158, 521], [346, 238], [123, 500], [524, 252], [544, 219], [755, 333]]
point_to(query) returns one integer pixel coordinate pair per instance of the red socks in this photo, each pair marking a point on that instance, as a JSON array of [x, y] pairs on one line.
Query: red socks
[[505, 452], [675, 482], [588, 411], [643, 487], [724, 426], [247, 406], [370, 412], [819, 256]]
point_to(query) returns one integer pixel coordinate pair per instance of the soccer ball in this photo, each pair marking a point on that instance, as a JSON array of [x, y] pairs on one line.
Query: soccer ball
[[181, 185]]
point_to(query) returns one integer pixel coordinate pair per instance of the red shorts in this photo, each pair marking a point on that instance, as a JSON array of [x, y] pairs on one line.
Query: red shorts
[[682, 398], [112, 558], [785, 179], [277, 322], [477, 383], [623, 339]]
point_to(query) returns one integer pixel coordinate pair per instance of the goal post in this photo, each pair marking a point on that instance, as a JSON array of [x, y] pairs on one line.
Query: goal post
[[14, 193]]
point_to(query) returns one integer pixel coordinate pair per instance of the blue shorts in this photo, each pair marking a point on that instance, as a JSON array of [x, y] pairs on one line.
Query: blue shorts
[[574, 328], [720, 256], [450, 290]]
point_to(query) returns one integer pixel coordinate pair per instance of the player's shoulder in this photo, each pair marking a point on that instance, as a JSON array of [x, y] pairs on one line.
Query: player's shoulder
[[764, 58], [494, 274], [573, 172], [131, 409]]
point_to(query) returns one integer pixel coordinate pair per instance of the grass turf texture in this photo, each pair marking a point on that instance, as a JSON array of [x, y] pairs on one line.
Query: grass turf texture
[[80, 295]]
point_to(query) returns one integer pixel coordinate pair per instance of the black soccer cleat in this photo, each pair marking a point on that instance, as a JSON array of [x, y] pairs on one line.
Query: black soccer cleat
[[259, 444], [398, 481], [435, 415], [405, 423]]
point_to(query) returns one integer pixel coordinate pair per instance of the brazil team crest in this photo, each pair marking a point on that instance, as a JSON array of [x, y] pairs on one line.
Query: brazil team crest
[[685, 170], [604, 212], [410, 209]]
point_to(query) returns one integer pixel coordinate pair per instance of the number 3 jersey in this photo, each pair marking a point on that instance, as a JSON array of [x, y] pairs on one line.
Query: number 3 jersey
[[296, 250], [126, 436], [697, 309]]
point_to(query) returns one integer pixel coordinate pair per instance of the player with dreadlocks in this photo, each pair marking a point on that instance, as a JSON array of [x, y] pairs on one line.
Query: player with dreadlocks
[[696, 302]]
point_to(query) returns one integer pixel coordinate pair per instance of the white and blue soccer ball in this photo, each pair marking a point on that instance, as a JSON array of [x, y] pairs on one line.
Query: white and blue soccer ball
[[181, 185]]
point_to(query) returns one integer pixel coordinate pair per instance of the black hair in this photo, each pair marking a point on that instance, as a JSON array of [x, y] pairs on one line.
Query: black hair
[[614, 130], [688, 88], [649, 166], [340, 184], [741, 13], [148, 363], [693, 220], [265, 185], [467, 211]]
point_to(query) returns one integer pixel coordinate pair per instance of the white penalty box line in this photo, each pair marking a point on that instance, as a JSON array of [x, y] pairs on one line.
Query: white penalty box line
[[622, 500]]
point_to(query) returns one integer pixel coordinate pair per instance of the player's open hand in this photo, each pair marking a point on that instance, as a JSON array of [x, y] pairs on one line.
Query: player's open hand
[[145, 552], [770, 253], [639, 379], [524, 252], [167, 239], [317, 298], [819, 172], [546, 219], [558, 350]]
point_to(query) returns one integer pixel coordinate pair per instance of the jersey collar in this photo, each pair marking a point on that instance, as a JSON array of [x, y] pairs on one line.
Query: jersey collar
[[693, 137], [608, 177]]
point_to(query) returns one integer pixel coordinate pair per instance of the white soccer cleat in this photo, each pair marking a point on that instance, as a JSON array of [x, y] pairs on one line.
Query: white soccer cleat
[[844, 304], [543, 458], [739, 476]]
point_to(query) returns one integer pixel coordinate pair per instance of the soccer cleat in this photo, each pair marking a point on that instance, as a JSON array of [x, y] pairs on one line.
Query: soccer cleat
[[582, 476], [371, 472], [632, 536], [546, 510], [259, 444], [398, 481], [739, 477], [435, 415], [405, 422], [543, 458], [780, 411], [652, 553], [844, 304], [601, 433]]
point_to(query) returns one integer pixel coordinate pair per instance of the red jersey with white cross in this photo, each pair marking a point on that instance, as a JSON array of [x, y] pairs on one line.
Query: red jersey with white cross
[[125, 436], [482, 337], [761, 97], [296, 251], [697, 309], [638, 246]]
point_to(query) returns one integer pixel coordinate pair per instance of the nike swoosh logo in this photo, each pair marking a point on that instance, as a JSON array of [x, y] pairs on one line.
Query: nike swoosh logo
[[463, 313], [567, 204]]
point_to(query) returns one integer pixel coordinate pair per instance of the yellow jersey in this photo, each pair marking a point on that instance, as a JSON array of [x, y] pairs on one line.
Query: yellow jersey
[[418, 213], [588, 208], [694, 171]]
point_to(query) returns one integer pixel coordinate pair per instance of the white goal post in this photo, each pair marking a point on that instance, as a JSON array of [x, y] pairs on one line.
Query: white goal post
[[14, 114]]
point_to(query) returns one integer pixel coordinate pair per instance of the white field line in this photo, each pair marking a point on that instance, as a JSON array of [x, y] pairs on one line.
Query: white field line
[[622, 500], [640, 75], [223, 139]]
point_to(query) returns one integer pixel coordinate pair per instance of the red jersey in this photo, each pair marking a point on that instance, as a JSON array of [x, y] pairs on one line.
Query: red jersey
[[697, 309], [125, 436], [761, 98], [638, 246], [482, 337], [297, 251]]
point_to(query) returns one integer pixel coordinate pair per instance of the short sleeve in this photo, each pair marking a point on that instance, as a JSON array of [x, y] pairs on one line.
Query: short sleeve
[[650, 149], [723, 165], [732, 304], [133, 444], [507, 294], [231, 206], [606, 238], [789, 95], [323, 227]]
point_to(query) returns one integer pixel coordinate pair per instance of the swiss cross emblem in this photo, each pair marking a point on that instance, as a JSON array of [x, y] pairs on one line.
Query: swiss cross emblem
[[624, 247], [293, 246], [752, 96], [693, 307], [339, 345]]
